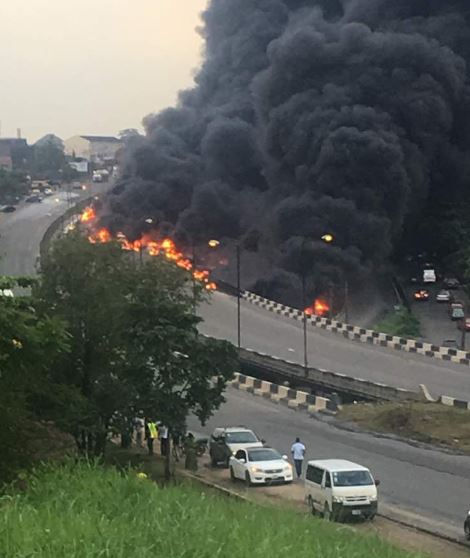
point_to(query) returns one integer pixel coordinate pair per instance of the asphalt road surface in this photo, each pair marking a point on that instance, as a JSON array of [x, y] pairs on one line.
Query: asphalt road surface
[[436, 326], [279, 336], [431, 484], [22, 231]]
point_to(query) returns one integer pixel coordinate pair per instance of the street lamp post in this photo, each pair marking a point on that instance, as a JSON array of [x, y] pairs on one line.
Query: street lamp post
[[304, 307]]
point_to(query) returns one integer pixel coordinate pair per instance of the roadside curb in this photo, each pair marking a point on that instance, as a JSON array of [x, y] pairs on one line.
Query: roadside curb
[[363, 335], [392, 516]]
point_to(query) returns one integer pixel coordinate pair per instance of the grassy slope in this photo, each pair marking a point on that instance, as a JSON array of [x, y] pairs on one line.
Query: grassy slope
[[83, 511], [426, 422]]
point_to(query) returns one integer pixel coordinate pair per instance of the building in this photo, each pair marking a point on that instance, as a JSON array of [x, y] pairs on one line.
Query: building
[[95, 149], [6, 162], [14, 153]]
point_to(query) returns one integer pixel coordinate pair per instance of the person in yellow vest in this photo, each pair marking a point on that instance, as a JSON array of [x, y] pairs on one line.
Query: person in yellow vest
[[151, 434]]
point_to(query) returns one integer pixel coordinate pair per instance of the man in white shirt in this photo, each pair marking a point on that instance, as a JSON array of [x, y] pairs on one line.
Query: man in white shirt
[[298, 454]]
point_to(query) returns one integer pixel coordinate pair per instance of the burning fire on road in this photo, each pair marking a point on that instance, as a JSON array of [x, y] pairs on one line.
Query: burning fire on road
[[165, 247], [319, 308]]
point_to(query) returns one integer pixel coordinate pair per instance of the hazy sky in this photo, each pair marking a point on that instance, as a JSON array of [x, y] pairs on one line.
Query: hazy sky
[[93, 66]]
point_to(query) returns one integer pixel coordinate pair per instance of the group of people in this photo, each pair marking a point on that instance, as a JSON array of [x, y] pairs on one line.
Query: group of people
[[151, 430]]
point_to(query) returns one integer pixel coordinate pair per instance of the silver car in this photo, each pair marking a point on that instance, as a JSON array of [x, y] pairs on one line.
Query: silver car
[[443, 296]]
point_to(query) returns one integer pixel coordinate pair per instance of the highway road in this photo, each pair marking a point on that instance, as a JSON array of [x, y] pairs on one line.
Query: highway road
[[263, 331], [425, 482], [21, 232], [436, 326], [282, 337], [420, 482]]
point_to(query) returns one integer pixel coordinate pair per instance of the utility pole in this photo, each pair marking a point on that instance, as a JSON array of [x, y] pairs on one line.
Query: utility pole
[[464, 331], [304, 307], [238, 297], [330, 300], [346, 301]]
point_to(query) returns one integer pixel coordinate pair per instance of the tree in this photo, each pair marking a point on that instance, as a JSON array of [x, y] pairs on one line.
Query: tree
[[48, 157], [29, 347], [134, 340], [13, 184], [176, 371]]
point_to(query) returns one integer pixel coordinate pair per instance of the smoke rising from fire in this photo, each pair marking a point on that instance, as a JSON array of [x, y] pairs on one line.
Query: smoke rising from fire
[[308, 116]]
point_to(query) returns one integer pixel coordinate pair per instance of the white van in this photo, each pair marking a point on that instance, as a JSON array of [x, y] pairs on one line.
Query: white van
[[337, 489], [429, 276]]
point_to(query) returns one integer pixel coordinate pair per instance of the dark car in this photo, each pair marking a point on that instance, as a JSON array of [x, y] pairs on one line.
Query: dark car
[[225, 442], [8, 209], [34, 199], [451, 283]]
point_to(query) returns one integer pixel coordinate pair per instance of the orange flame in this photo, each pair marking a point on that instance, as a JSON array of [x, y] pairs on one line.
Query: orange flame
[[88, 215], [165, 247], [318, 308]]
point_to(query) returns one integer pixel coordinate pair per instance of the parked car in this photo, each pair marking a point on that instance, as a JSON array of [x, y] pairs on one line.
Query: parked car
[[421, 295], [225, 442], [48, 192], [451, 283], [450, 344], [338, 489], [456, 311], [8, 209], [260, 465], [34, 199], [443, 296], [464, 324]]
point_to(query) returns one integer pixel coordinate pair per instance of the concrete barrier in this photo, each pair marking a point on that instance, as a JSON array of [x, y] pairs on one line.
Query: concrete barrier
[[295, 399], [363, 335]]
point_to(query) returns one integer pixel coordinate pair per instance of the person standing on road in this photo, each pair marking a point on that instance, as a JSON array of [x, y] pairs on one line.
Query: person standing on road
[[163, 435], [151, 433], [139, 430], [298, 454]]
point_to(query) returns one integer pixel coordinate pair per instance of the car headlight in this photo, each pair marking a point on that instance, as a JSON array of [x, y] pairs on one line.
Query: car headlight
[[338, 499], [256, 470], [288, 468]]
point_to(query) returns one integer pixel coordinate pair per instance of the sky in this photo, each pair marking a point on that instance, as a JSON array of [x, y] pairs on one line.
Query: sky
[[94, 66]]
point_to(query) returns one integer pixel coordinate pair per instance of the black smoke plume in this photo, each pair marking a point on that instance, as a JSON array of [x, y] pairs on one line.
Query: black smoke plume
[[350, 117]]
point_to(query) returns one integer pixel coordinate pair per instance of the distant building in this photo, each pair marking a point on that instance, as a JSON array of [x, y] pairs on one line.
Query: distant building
[[95, 149], [6, 161], [14, 153]]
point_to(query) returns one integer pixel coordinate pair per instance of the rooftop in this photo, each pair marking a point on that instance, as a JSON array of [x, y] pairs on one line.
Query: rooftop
[[109, 139], [337, 465]]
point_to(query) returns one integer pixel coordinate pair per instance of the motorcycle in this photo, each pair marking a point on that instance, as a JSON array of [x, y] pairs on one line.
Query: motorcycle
[[466, 526]]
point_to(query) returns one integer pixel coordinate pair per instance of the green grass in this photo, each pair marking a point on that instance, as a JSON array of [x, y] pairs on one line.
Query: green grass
[[76, 511], [432, 423], [401, 323]]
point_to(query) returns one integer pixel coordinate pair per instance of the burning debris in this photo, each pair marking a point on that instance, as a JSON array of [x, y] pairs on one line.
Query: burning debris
[[165, 247], [309, 116], [319, 308]]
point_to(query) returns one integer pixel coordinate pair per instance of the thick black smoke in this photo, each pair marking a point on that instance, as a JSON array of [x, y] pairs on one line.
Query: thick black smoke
[[310, 116]]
